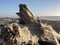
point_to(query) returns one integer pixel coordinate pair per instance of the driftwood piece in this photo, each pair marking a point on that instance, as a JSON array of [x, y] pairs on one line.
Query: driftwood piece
[[34, 33], [26, 15]]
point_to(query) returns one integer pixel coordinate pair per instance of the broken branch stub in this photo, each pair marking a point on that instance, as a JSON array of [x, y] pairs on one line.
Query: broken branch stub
[[26, 15]]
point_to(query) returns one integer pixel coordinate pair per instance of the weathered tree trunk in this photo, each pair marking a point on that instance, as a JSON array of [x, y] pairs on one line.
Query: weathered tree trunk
[[34, 32]]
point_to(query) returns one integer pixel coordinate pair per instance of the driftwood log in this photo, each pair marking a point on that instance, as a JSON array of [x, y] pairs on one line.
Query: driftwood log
[[29, 31]]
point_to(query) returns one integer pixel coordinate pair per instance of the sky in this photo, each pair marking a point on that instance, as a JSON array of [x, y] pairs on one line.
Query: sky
[[8, 8]]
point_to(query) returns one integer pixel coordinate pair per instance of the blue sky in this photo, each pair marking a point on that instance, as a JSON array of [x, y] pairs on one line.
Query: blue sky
[[8, 8]]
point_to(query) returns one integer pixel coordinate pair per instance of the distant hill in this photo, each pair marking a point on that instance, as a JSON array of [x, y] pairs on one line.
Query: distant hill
[[53, 18]]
